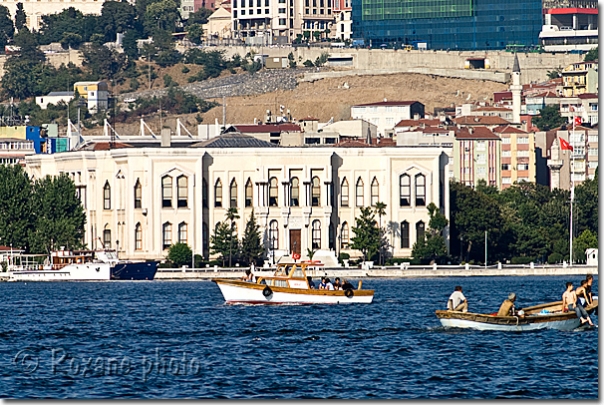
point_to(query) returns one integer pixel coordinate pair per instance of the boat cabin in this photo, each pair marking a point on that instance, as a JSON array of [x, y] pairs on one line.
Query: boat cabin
[[62, 258], [289, 275]]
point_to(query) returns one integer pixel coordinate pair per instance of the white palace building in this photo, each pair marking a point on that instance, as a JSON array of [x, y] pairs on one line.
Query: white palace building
[[142, 195]]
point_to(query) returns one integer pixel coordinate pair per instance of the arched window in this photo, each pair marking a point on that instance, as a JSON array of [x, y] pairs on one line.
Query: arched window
[[420, 190], [182, 232], [166, 191], [204, 193], [316, 192], [107, 196], [273, 235], [420, 229], [344, 196], [295, 192], [233, 194], [218, 193], [272, 192], [107, 237], [248, 193], [405, 190], [405, 235], [316, 234], [138, 194], [360, 193], [138, 237], [167, 235], [183, 190], [375, 191], [345, 236]]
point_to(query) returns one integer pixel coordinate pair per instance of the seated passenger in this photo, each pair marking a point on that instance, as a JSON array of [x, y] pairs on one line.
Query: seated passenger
[[581, 293], [311, 284], [507, 308], [328, 285], [346, 285], [322, 284], [249, 276], [588, 295], [569, 303], [336, 284], [457, 301]]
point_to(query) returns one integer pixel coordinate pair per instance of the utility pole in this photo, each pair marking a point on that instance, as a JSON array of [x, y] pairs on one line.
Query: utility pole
[[485, 249], [223, 113]]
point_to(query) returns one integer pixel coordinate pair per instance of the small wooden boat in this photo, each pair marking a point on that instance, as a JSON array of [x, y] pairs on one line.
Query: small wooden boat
[[288, 285], [543, 316]]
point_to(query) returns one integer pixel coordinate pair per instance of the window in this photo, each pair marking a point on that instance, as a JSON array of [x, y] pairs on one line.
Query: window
[[405, 235], [138, 237], [360, 194], [316, 234], [273, 235], [107, 239], [344, 196], [420, 190], [405, 190], [182, 232], [204, 193], [522, 140], [233, 194], [218, 193], [505, 166], [167, 235], [107, 196], [420, 229], [316, 191], [375, 192], [183, 186], [248, 193], [138, 194], [345, 236], [295, 192], [272, 192], [166, 191], [523, 166]]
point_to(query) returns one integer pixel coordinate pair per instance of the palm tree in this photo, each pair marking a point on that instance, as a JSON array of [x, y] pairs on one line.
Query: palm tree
[[231, 215], [380, 210]]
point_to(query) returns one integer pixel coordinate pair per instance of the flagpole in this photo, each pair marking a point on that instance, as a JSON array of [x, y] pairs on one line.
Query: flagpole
[[572, 190]]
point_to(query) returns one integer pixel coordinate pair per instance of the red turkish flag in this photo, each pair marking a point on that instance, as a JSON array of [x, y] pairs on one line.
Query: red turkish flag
[[577, 121], [565, 145]]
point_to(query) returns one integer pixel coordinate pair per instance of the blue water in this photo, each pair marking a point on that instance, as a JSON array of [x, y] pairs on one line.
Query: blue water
[[178, 340]]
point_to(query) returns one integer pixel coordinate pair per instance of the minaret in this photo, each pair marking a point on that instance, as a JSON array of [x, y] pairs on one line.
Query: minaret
[[516, 89]]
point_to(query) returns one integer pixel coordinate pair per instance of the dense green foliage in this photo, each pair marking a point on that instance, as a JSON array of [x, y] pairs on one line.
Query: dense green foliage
[[526, 222], [180, 254], [432, 247], [39, 216], [367, 235], [549, 118], [591, 55], [252, 248]]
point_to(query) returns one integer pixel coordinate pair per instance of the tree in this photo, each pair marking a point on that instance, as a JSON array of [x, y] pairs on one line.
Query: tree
[[585, 241], [15, 208], [130, 45], [221, 240], [199, 17], [549, 118], [7, 30], [58, 217], [231, 216], [194, 33], [20, 17], [366, 234], [71, 40], [116, 17], [592, 55], [55, 25], [380, 210], [252, 249], [103, 62], [432, 247], [180, 254], [161, 15]]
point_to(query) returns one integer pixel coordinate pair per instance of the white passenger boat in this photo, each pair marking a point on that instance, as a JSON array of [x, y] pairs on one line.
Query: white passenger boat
[[543, 316], [289, 285], [62, 265]]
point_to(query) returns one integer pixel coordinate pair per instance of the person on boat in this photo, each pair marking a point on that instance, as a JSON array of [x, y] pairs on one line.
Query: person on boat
[[336, 284], [249, 276], [328, 285], [457, 301], [346, 285], [569, 303], [507, 308], [311, 284], [581, 293], [322, 284], [588, 295]]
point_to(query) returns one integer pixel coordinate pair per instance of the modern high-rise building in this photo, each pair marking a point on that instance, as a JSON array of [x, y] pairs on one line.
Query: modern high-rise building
[[448, 24]]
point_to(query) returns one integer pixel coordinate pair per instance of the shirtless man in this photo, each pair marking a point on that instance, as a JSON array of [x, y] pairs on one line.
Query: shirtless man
[[582, 293], [507, 308], [569, 303]]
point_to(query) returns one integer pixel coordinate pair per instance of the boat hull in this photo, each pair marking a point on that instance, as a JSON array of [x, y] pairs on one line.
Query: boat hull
[[235, 292], [568, 324], [134, 271], [71, 272]]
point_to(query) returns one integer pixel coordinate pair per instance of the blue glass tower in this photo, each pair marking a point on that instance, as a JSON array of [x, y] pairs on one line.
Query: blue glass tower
[[449, 24]]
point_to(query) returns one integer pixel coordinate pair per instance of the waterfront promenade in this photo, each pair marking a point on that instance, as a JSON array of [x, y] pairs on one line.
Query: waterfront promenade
[[402, 271]]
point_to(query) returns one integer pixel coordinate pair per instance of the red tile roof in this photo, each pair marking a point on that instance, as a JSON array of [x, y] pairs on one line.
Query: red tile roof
[[508, 129], [549, 94], [480, 120], [415, 123], [386, 103], [478, 133], [267, 128], [587, 95], [353, 144], [493, 109], [108, 146], [309, 118]]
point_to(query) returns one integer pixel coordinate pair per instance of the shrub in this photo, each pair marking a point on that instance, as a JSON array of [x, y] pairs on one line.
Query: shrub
[[522, 260], [168, 81], [185, 70], [308, 63], [555, 258]]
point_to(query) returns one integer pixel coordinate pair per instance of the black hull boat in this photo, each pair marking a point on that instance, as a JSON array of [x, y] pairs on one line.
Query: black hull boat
[[134, 271]]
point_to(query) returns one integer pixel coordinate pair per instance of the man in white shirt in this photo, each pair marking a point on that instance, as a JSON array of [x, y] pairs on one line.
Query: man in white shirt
[[457, 301]]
